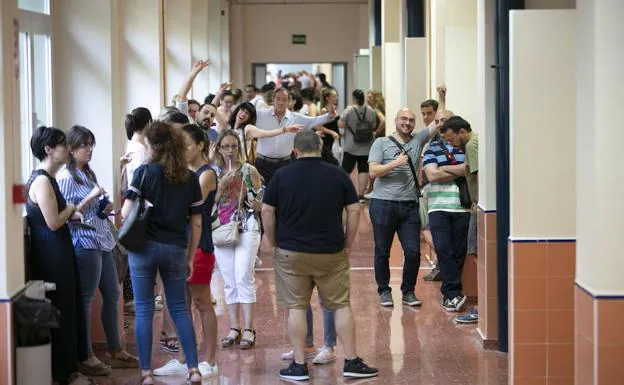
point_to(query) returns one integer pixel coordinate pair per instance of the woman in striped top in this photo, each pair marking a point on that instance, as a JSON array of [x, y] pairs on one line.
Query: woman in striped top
[[93, 243]]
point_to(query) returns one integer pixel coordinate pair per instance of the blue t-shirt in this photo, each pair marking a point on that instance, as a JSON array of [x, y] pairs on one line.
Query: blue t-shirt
[[309, 197], [173, 203]]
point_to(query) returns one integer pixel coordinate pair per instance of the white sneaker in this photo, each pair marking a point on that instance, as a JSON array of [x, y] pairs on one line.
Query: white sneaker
[[310, 352], [208, 370], [325, 356], [171, 368]]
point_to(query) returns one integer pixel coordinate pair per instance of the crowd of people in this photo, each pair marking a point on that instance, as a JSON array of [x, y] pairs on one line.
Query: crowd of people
[[220, 176]]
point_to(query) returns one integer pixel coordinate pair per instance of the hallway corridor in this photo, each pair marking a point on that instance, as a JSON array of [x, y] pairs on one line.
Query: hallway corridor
[[408, 345]]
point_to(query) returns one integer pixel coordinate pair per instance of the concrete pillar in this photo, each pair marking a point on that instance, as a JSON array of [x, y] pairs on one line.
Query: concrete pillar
[[542, 196], [599, 293], [454, 54], [375, 29], [11, 223], [392, 56], [485, 125], [416, 57]]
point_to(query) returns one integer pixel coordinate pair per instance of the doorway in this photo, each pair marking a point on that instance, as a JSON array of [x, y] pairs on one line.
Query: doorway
[[336, 74]]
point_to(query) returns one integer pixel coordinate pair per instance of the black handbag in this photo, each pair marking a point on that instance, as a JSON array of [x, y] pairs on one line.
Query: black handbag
[[134, 228]]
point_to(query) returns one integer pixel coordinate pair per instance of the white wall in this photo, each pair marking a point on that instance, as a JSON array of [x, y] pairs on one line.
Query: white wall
[[335, 32], [453, 38], [542, 104], [416, 71], [600, 177], [485, 123], [11, 235], [83, 76], [178, 43]]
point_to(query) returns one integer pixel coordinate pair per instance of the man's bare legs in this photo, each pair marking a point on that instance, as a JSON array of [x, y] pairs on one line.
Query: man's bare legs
[[297, 330], [345, 330]]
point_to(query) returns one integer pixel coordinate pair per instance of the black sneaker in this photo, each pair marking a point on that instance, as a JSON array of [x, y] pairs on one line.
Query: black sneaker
[[434, 274], [411, 300], [385, 299], [358, 369], [297, 372]]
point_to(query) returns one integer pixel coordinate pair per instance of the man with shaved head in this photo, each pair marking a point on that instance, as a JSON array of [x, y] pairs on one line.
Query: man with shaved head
[[394, 204]]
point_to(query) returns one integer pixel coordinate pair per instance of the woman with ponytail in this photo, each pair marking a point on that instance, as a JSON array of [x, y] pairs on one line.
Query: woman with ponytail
[[171, 241], [136, 151]]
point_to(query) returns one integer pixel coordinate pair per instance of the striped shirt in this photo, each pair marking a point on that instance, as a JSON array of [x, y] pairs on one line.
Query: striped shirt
[[74, 192], [443, 196]]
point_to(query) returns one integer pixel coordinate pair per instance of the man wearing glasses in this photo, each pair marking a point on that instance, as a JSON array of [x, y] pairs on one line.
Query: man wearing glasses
[[393, 161]]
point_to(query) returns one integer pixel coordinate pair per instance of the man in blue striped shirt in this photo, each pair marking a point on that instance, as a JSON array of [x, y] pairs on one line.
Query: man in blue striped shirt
[[448, 215]]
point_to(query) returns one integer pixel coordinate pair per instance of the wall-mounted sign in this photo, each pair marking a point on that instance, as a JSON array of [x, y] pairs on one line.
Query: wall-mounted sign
[[298, 39]]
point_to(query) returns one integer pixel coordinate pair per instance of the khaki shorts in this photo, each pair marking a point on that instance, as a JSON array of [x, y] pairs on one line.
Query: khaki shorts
[[297, 273]]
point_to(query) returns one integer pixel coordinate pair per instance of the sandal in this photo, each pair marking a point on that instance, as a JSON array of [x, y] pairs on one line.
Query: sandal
[[231, 338], [194, 376], [121, 360], [169, 344], [99, 369], [247, 342]]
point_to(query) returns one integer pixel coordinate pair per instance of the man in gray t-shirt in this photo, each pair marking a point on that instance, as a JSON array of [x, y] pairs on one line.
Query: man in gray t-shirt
[[394, 204]]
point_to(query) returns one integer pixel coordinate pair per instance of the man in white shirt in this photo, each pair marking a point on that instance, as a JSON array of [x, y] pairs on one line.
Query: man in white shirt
[[276, 152], [251, 94]]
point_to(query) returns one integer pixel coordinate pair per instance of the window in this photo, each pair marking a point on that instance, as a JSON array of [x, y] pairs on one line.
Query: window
[[35, 77], [38, 6]]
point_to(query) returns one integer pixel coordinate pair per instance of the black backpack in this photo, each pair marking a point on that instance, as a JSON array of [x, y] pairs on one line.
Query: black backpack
[[364, 132]]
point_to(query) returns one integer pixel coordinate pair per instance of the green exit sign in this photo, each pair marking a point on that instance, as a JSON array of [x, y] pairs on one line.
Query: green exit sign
[[298, 39]]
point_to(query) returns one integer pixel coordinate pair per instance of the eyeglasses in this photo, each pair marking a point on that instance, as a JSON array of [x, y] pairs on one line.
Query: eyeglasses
[[406, 119], [229, 146]]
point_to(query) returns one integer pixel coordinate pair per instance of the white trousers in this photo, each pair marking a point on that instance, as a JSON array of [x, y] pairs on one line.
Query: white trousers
[[236, 264]]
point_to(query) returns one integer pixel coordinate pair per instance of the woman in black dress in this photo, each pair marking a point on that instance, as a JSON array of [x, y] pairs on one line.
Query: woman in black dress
[[51, 254]]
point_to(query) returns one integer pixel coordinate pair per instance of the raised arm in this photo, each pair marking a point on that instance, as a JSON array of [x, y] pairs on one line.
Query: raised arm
[[217, 99], [43, 194], [188, 83]]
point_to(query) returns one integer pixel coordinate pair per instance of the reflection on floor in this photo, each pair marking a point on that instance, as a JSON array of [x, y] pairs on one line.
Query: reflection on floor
[[409, 346]]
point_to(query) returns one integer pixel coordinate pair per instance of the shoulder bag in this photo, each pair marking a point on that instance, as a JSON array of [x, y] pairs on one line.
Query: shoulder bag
[[227, 235], [409, 162], [134, 228]]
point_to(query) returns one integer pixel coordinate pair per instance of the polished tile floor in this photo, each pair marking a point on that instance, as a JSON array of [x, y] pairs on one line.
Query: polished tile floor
[[409, 346]]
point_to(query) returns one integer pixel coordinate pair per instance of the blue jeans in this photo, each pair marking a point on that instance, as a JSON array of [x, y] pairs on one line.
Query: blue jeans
[[170, 261], [450, 234], [96, 269], [402, 218], [329, 328]]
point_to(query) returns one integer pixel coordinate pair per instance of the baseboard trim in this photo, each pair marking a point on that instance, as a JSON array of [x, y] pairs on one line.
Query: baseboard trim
[[485, 343]]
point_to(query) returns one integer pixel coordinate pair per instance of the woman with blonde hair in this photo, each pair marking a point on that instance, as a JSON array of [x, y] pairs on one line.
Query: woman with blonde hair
[[376, 101], [239, 198], [171, 241]]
